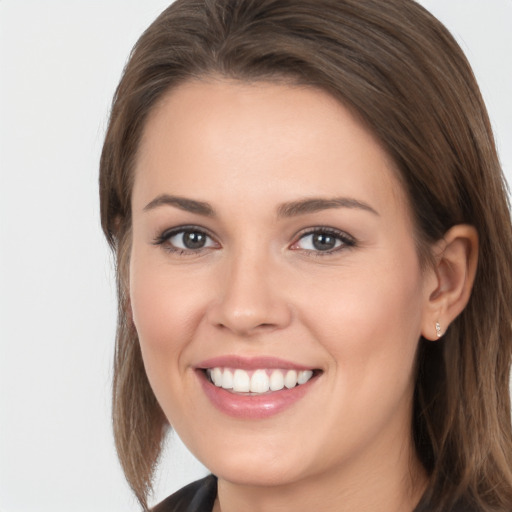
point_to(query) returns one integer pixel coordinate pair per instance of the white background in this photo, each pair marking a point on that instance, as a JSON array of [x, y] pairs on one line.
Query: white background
[[60, 61]]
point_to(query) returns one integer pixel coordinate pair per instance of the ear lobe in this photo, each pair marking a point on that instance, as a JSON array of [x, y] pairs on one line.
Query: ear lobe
[[456, 258]]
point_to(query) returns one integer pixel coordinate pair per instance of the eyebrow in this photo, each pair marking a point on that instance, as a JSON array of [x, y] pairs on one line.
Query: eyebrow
[[312, 205], [291, 209], [188, 205]]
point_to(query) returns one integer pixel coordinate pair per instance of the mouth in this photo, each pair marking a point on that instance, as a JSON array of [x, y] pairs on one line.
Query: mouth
[[255, 388], [259, 381]]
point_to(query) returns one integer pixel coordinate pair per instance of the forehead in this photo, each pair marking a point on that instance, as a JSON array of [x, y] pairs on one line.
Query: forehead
[[259, 137]]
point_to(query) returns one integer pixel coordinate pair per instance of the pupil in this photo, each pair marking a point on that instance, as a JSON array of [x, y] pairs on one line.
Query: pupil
[[323, 242], [194, 240]]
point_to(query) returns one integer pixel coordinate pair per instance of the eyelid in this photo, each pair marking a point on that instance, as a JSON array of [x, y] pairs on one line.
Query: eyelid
[[164, 237], [347, 240]]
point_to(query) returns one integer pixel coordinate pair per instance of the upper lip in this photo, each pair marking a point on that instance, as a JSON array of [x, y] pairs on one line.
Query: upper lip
[[250, 363]]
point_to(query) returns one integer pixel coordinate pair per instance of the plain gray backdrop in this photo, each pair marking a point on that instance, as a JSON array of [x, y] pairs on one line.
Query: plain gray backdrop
[[60, 61]]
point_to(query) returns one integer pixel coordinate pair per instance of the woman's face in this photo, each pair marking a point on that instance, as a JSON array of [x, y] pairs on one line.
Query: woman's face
[[274, 282]]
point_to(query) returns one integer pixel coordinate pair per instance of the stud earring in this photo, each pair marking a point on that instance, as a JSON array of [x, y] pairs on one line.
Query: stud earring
[[438, 330]]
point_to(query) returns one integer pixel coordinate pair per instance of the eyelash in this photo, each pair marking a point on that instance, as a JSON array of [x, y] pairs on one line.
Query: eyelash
[[345, 240], [164, 240]]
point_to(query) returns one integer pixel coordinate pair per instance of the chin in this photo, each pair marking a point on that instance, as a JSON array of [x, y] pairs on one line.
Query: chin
[[257, 474], [254, 465]]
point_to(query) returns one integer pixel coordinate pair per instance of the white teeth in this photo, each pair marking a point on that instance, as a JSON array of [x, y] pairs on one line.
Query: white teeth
[[304, 376], [216, 376], [290, 380], [241, 381], [227, 379], [261, 381], [276, 380]]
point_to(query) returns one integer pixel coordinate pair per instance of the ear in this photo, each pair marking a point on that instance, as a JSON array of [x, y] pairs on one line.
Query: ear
[[451, 279]]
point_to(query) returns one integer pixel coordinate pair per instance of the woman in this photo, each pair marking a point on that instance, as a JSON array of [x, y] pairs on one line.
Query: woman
[[313, 245]]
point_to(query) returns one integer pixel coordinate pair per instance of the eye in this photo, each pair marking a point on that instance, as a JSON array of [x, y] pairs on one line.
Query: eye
[[323, 240], [185, 239], [192, 240]]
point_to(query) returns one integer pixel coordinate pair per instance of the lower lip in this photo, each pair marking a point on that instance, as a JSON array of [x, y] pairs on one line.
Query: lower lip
[[253, 406]]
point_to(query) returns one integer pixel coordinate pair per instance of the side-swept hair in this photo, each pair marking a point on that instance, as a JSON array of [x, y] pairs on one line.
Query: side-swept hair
[[405, 77]]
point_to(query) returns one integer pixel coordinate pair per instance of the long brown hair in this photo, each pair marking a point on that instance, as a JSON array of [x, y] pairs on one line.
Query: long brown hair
[[402, 73]]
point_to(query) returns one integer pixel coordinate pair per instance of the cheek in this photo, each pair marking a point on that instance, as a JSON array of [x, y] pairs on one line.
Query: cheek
[[371, 332], [371, 324], [166, 308]]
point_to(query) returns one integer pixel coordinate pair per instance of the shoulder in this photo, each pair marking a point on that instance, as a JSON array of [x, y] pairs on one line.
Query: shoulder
[[198, 496]]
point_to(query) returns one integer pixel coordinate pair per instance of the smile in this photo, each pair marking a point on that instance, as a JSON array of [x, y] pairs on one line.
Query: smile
[[258, 381], [255, 388]]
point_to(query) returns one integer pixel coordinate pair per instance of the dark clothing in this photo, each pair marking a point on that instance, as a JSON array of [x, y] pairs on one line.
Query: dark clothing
[[200, 496]]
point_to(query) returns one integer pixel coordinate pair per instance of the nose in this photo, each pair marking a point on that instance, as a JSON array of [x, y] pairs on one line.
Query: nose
[[250, 298]]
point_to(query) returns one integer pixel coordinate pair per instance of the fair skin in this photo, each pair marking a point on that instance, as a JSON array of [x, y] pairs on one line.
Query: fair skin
[[231, 259]]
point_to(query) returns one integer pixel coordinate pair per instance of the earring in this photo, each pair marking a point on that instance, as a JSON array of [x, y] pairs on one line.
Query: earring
[[438, 330]]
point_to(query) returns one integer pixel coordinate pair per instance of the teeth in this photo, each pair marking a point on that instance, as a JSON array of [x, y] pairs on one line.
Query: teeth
[[290, 380], [260, 381], [216, 377], [276, 380], [227, 379], [304, 376], [241, 381]]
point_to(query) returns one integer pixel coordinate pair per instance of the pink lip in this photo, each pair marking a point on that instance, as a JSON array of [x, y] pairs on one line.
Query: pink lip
[[250, 363], [247, 406]]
